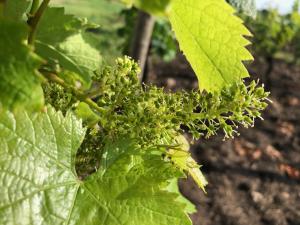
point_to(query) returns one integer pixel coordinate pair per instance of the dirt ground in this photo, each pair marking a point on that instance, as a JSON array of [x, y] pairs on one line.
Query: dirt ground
[[255, 178]]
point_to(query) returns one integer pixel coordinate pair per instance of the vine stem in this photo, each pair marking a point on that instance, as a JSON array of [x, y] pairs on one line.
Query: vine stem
[[34, 21], [141, 41], [79, 95], [34, 7]]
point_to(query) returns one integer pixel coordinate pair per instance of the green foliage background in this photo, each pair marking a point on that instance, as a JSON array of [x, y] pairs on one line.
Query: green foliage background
[[107, 13]]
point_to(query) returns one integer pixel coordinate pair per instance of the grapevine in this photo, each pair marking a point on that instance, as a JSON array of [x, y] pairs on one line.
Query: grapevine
[[83, 140]]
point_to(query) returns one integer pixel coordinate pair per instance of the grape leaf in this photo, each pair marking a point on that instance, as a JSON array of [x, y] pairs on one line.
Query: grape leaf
[[173, 187], [212, 39], [84, 112], [83, 54], [155, 7], [53, 53], [247, 7], [181, 157], [20, 84], [16, 9], [63, 37], [55, 26], [39, 184]]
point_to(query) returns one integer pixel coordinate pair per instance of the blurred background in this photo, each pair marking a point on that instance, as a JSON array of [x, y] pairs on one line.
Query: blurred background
[[255, 178]]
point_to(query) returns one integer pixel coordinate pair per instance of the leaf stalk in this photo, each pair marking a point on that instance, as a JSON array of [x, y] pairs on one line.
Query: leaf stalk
[[34, 7], [34, 21]]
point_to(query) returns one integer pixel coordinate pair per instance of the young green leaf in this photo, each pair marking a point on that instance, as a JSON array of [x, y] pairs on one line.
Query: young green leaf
[[173, 187], [83, 54], [20, 84], [84, 112], [56, 26], [15, 10], [65, 61], [62, 36], [39, 182], [181, 157], [211, 37]]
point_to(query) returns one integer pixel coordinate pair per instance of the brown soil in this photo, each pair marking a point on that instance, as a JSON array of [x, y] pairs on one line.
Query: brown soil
[[255, 178]]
